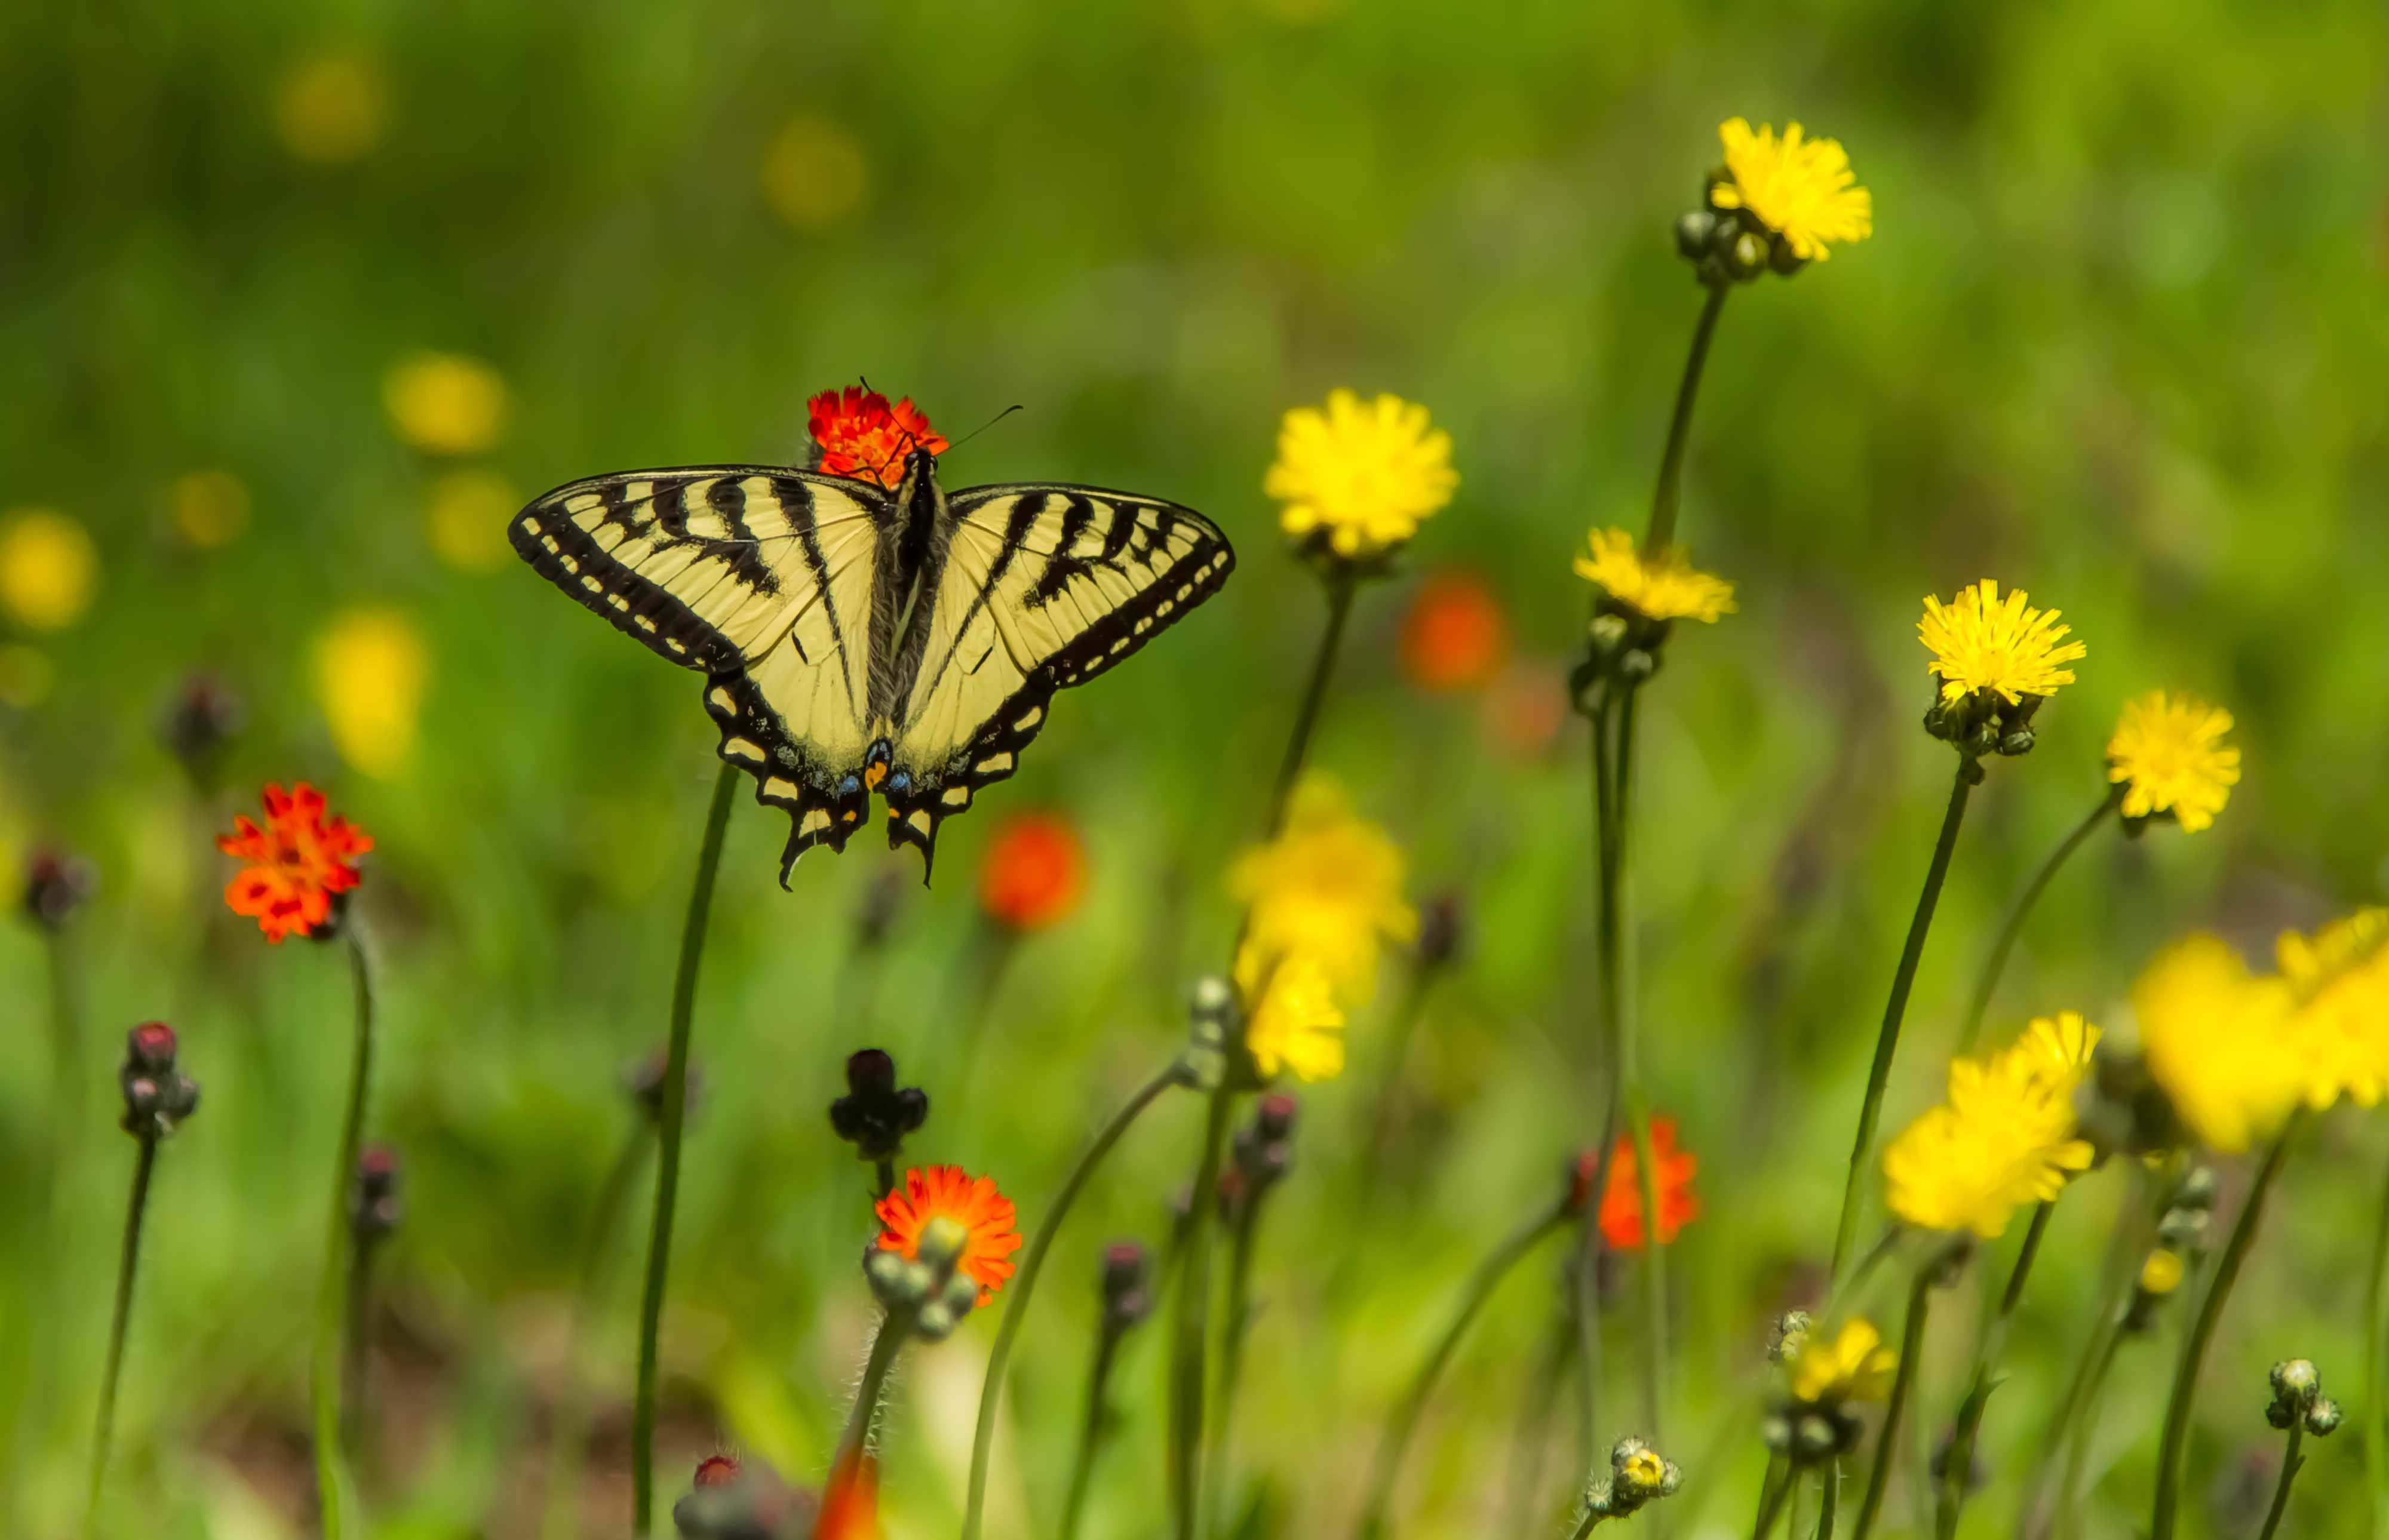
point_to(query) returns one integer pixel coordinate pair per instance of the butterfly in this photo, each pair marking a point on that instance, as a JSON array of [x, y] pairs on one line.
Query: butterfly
[[860, 639]]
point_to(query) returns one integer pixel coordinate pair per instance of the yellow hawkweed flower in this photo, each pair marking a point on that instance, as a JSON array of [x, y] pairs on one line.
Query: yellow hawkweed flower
[[2168, 754], [1979, 641], [446, 404], [332, 109], [1328, 887], [1855, 1366], [2055, 1051], [372, 667], [1292, 1023], [2216, 1038], [2339, 978], [817, 174], [1361, 476], [1802, 189], [2004, 1139], [464, 514], [1665, 587], [2161, 1274], [49, 569]]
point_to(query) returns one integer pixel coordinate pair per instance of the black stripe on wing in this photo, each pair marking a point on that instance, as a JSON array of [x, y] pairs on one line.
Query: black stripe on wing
[[825, 804]]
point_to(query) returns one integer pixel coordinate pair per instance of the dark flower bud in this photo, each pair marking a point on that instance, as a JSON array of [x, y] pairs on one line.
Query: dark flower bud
[[875, 1114], [1126, 1300], [157, 1097], [1782, 260], [2018, 741], [375, 1204], [2323, 1417], [57, 884], [1775, 1431], [2197, 1188], [1745, 257], [2185, 1229], [1274, 1116], [735, 1500], [1821, 1434], [1637, 664], [1692, 233], [151, 1048], [1262, 1154], [1443, 929], [199, 722], [2281, 1414]]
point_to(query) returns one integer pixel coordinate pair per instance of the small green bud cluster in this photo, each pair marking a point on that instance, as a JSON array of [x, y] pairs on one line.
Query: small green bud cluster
[[2298, 1399], [1981, 722], [1808, 1434], [2125, 1112], [1623, 650], [1638, 1475], [1789, 1336], [2182, 1241], [926, 1290], [1731, 245]]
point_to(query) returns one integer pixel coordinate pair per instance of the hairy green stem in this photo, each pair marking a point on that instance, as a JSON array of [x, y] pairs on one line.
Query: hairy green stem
[[1774, 1491], [2291, 1460], [1091, 1429], [1957, 1468], [572, 1438], [1024, 1285], [895, 1330], [672, 1118], [128, 1263], [1617, 966], [1996, 962], [1829, 1498], [1895, 1009], [2201, 1331], [332, 1484], [1680, 427], [1887, 1443]]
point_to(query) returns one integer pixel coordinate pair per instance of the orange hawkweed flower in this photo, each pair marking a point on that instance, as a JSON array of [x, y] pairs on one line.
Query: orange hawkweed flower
[[986, 1215], [1036, 871], [860, 436], [1454, 637], [1621, 1201], [849, 1508], [295, 865]]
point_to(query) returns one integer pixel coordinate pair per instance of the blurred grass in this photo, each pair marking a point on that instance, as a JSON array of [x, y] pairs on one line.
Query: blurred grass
[[2118, 341]]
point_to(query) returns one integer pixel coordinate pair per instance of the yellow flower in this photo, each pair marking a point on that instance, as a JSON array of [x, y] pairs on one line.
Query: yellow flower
[[1855, 1366], [210, 508], [465, 514], [332, 109], [2054, 1052], [446, 404], [2161, 1274], [2004, 1139], [2169, 753], [1802, 189], [817, 174], [2216, 1038], [1294, 1024], [2339, 978], [1328, 887], [49, 569], [1980, 642], [1360, 475], [1665, 588], [372, 667]]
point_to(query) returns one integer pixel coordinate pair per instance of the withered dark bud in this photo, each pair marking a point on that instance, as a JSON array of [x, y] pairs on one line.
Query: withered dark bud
[[57, 884], [200, 719], [375, 1204], [157, 1097], [875, 1115]]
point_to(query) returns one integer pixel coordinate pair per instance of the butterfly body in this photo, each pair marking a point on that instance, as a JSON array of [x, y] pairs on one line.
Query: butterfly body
[[860, 641]]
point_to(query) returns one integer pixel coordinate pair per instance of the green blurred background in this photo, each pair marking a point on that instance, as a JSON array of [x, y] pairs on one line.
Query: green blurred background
[[2118, 339]]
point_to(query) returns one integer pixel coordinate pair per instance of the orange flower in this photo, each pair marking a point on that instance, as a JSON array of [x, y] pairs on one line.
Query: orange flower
[[849, 1508], [1454, 637], [949, 1192], [295, 864], [1621, 1203], [1036, 871], [860, 436]]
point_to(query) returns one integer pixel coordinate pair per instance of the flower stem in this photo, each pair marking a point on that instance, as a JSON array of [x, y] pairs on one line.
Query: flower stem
[[1090, 1431], [2291, 1460], [1895, 1008], [1190, 1318], [672, 1115], [66, 1030], [1774, 1490], [1387, 1102], [128, 1262], [572, 1417], [1987, 982], [2201, 1331], [1232, 1350], [1339, 585], [1528, 1441], [1829, 1497], [885, 1343], [1887, 1443], [331, 1314], [1958, 1466], [357, 1324], [2078, 1429], [1488, 1276], [2376, 1298], [1680, 427]]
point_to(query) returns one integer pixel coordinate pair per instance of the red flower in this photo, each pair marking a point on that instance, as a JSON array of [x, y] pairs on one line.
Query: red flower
[[1621, 1204], [1036, 871], [987, 1216], [296, 864], [1454, 637], [860, 436], [849, 1508]]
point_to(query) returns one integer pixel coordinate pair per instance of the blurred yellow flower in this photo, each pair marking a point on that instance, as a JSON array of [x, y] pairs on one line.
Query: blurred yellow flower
[[1855, 1366], [817, 174], [2003, 1139], [332, 109], [465, 514], [49, 569], [372, 669], [2169, 753], [1360, 475], [1802, 189], [2216, 1038], [1980, 642], [446, 404], [2161, 1274], [1328, 887], [2339, 978], [26, 675], [210, 508], [1291, 1021], [2054, 1052], [1661, 588]]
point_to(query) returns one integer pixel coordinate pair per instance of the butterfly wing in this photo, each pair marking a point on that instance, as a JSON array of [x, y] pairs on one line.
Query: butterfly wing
[[1037, 588], [761, 578]]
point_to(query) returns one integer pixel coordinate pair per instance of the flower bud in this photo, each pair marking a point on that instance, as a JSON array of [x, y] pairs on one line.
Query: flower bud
[[2323, 1417], [1745, 257], [157, 1097], [1817, 1435], [2296, 1380], [874, 1115], [1782, 260], [936, 1322], [151, 1048], [200, 719], [941, 1244], [1443, 929], [57, 884], [644, 1082], [1789, 1336], [2197, 1188], [1126, 1300], [1694, 231], [374, 1205], [2184, 1230]]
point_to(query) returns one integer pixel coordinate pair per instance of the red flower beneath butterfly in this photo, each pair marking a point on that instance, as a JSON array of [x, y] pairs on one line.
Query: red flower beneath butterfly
[[860, 436], [295, 865], [1621, 1203]]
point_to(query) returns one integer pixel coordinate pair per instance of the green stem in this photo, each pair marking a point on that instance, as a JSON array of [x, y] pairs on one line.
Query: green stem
[[66, 1029], [1388, 1100], [2133, 1228], [572, 1415], [2289, 1463], [358, 1320], [1340, 586], [1190, 1317], [1032, 1264], [1528, 1441], [1773, 1492], [128, 1263], [1987, 982], [673, 1114], [2376, 1298], [1680, 427], [1895, 1008], [2194, 1349], [895, 1327], [2077, 1447], [1091, 1430], [1887, 1443], [331, 1471], [1617, 966], [1232, 1350], [1829, 1497], [1605, 1028], [1488, 1278], [1957, 1468]]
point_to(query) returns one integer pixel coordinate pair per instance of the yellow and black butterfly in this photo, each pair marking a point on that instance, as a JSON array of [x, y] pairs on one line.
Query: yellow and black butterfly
[[856, 639]]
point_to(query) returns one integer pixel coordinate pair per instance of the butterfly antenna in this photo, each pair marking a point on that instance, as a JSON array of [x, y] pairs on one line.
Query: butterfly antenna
[[982, 427]]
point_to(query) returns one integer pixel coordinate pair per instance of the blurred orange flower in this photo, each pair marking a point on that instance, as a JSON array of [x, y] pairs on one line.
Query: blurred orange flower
[[1526, 708], [860, 436], [1035, 872], [849, 1508], [949, 1192], [296, 864], [1621, 1201], [1455, 636]]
